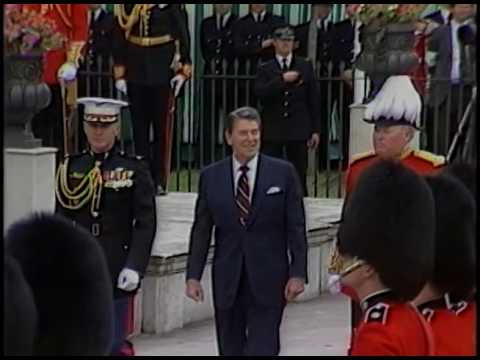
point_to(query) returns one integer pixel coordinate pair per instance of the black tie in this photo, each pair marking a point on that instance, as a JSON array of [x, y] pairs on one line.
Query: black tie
[[243, 196], [284, 65]]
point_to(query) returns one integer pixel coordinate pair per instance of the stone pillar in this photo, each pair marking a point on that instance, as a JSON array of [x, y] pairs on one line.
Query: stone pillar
[[29, 182], [361, 132]]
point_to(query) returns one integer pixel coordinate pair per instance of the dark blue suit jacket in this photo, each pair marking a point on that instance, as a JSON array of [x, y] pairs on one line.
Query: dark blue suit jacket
[[273, 244]]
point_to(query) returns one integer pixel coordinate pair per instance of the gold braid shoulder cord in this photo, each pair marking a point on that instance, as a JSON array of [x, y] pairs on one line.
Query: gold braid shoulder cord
[[89, 188], [126, 22]]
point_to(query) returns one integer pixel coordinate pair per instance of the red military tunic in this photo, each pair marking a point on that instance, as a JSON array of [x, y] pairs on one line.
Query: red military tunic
[[468, 319], [453, 333], [422, 162], [72, 21], [390, 327]]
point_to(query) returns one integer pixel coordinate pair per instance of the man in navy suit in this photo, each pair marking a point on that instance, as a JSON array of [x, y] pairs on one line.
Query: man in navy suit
[[260, 261]]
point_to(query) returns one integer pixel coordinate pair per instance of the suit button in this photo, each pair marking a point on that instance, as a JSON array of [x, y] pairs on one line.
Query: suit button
[[125, 247], [285, 103], [218, 51], [285, 114], [217, 72], [287, 93]]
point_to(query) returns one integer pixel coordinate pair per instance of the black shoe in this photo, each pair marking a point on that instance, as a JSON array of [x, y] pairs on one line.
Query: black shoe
[[161, 191]]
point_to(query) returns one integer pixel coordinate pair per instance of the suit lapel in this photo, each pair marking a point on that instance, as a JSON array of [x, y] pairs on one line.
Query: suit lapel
[[259, 190], [229, 192]]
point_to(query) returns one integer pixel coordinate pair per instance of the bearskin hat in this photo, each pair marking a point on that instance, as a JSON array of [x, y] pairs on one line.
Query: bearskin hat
[[19, 311], [389, 222], [69, 279], [454, 260]]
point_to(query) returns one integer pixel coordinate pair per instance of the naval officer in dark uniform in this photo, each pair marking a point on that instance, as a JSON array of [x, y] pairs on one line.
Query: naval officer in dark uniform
[[152, 58], [110, 194]]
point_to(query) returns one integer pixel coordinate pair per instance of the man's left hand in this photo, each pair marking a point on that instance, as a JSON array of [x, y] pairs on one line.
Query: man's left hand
[[294, 287], [176, 83], [314, 141]]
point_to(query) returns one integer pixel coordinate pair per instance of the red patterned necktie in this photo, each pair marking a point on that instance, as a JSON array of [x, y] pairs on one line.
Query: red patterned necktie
[[243, 195]]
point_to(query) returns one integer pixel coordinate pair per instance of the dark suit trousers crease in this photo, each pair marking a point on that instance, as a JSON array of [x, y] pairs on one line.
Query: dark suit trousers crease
[[247, 328], [296, 153], [149, 105]]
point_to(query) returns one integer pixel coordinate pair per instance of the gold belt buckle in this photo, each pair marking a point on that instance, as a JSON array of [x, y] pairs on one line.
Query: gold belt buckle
[[95, 229]]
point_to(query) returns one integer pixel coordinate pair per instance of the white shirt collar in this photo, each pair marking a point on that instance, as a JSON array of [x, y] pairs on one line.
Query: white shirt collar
[[319, 22], [251, 174], [280, 59], [252, 164], [226, 16], [456, 24], [445, 14], [259, 16]]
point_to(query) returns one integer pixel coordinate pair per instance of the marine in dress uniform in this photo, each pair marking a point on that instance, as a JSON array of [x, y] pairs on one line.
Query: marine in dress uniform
[[152, 56], [111, 194], [421, 162], [290, 109], [454, 268], [72, 21], [216, 39], [384, 254], [253, 44]]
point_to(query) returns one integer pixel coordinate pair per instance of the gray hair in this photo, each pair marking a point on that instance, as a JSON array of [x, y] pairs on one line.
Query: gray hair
[[244, 113]]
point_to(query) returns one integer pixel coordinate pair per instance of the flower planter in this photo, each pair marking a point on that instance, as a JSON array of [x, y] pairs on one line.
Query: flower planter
[[24, 95]]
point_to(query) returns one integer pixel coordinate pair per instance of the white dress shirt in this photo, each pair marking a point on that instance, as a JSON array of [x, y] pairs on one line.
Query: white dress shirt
[[225, 20], [455, 74], [262, 16], [251, 174], [280, 60]]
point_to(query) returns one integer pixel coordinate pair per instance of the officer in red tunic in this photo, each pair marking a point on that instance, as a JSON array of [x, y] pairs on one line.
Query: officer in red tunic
[[60, 66], [391, 139], [384, 254], [454, 271]]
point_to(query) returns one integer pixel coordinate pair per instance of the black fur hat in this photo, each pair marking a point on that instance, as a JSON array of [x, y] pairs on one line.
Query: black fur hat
[[466, 173], [389, 222], [19, 312], [68, 275], [454, 266]]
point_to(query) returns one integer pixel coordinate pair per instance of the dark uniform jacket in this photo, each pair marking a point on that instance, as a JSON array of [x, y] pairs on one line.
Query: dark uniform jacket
[[151, 65], [290, 111], [248, 36], [217, 44], [343, 36], [100, 35], [324, 44], [126, 221]]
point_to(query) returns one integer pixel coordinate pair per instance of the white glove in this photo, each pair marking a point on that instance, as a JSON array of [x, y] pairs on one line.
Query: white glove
[[176, 83], [67, 72], [121, 85], [128, 280]]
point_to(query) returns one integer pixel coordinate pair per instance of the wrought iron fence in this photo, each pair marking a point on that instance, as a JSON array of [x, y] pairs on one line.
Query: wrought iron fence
[[199, 123]]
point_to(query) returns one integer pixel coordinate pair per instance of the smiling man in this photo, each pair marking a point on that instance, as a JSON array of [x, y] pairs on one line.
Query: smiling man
[[255, 204]]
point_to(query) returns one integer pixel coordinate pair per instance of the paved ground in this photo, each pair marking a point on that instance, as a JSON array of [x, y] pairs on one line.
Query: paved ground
[[315, 328]]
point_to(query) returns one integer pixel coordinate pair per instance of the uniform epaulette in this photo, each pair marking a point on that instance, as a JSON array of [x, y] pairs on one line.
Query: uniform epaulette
[[436, 160], [428, 314], [362, 156], [459, 307], [377, 313]]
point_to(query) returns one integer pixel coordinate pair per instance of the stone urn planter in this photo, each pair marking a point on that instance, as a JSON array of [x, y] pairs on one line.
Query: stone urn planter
[[387, 50], [24, 95]]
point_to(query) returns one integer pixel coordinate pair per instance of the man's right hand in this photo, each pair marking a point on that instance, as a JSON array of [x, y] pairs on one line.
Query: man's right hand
[[290, 76], [121, 86], [194, 290]]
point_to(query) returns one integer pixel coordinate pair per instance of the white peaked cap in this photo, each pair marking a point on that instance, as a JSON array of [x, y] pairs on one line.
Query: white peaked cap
[[101, 106]]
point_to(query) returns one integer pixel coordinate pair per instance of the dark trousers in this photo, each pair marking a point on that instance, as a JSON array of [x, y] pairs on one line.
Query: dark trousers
[[248, 328], [47, 125], [120, 325], [150, 105], [443, 120], [296, 152]]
